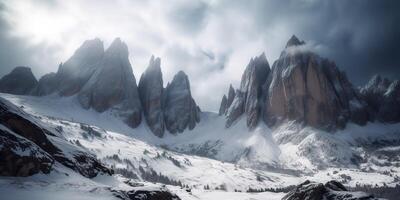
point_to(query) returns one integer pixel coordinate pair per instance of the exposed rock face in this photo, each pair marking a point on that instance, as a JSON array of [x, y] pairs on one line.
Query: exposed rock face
[[310, 89], [19, 81], [383, 98], [331, 190], [113, 83], [227, 102], [32, 160], [39, 150], [77, 70], [151, 96], [180, 110], [247, 99], [145, 194], [46, 85], [223, 106], [301, 86]]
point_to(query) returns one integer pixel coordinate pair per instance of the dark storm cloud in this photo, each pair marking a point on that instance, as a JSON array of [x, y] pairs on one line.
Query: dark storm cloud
[[363, 37]]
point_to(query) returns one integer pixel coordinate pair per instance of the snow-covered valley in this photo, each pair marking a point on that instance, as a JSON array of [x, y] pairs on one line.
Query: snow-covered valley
[[212, 160]]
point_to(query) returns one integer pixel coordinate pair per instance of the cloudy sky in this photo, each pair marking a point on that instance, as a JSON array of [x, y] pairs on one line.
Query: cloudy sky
[[211, 40]]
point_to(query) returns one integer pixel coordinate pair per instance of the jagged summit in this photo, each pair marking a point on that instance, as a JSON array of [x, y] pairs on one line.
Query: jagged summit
[[112, 84], [247, 98], [19, 81], [299, 87], [180, 109], [151, 95], [172, 108], [294, 41]]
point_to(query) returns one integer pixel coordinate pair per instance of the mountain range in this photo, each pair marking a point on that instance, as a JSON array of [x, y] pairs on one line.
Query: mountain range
[[299, 118]]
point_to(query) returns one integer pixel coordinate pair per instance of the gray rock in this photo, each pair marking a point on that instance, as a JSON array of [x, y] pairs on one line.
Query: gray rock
[[113, 85], [247, 99], [252, 80], [383, 99], [223, 106], [310, 89], [231, 96], [332, 190], [76, 71], [19, 81], [33, 135], [294, 41], [46, 85], [390, 109], [151, 96], [227, 102], [180, 109]]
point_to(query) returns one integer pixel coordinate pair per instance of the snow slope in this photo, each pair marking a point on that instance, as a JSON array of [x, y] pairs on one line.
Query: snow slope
[[240, 159]]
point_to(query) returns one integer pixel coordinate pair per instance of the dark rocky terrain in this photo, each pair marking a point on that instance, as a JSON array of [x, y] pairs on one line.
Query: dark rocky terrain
[[331, 190]]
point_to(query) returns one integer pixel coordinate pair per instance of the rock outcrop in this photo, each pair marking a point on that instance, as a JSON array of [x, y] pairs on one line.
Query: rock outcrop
[[19, 81], [76, 71], [383, 98], [248, 98], [180, 109], [227, 102], [331, 190], [301, 86], [37, 152], [46, 85], [151, 95], [113, 83]]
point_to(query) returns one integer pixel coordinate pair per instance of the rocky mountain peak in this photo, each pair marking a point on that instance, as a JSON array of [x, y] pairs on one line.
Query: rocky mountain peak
[[19, 81], [113, 83], [294, 41], [247, 98], [302, 87], [180, 109], [90, 50], [151, 95], [118, 47], [77, 70]]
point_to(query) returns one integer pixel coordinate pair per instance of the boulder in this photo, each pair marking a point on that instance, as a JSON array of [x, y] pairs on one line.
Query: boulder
[[151, 95], [180, 109], [19, 81]]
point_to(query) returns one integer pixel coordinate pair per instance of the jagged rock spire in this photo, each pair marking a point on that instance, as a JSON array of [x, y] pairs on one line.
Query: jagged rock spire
[[113, 83], [294, 41], [77, 70], [180, 109], [151, 95], [247, 98]]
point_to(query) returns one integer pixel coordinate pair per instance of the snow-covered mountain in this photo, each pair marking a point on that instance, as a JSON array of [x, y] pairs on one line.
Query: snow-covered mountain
[[301, 119]]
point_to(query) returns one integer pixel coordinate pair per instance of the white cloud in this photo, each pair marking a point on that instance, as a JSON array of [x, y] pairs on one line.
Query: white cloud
[[212, 41]]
